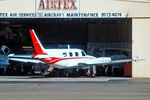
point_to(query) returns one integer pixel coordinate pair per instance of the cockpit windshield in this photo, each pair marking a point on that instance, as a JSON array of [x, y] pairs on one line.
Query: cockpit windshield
[[83, 53]]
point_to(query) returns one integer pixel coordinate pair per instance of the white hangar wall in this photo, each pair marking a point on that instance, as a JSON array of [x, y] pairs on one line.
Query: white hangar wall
[[14, 6], [138, 10], [141, 47], [132, 8]]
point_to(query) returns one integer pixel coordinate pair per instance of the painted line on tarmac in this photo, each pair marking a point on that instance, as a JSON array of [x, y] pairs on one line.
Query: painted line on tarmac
[[43, 80], [75, 93]]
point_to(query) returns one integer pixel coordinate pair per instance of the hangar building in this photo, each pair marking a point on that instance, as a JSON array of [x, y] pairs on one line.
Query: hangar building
[[130, 34]]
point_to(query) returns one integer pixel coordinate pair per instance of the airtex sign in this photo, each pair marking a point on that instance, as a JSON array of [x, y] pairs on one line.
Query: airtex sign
[[57, 5]]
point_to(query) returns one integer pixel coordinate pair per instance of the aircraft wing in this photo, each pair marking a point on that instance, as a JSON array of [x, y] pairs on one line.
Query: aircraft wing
[[20, 56], [103, 61], [26, 60], [23, 58], [97, 61], [121, 61]]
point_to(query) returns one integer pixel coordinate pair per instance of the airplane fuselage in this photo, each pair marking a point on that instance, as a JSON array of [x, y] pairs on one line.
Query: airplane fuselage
[[65, 58]]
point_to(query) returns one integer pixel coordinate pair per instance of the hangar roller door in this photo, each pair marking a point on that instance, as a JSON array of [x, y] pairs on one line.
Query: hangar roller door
[[98, 37]]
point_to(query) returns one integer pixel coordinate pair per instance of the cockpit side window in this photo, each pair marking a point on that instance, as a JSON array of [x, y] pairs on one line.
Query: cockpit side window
[[83, 53], [65, 54], [71, 54], [76, 54]]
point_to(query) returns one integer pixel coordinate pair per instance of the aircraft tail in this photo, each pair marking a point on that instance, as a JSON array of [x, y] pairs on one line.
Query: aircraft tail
[[39, 49]]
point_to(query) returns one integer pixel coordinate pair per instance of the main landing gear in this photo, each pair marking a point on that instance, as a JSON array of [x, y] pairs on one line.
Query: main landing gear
[[92, 71]]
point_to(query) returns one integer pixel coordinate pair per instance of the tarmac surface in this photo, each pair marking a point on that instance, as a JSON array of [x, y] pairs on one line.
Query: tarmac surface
[[99, 88]]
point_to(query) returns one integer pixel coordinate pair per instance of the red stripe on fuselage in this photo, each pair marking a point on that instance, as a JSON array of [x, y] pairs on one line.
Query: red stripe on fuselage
[[53, 60]]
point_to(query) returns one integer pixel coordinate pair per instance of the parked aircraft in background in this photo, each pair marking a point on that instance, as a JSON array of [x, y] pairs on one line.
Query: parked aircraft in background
[[63, 58], [4, 61]]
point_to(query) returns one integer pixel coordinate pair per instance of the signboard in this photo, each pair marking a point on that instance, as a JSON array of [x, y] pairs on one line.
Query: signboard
[[57, 6], [63, 15], [61, 9]]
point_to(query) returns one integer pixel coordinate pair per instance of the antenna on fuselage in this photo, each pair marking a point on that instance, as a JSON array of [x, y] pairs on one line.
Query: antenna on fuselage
[[68, 46]]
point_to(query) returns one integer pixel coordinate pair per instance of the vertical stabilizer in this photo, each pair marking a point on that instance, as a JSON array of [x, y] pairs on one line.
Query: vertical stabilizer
[[39, 49]]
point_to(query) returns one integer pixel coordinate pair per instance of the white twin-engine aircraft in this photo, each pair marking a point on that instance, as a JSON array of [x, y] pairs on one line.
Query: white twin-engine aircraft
[[63, 58]]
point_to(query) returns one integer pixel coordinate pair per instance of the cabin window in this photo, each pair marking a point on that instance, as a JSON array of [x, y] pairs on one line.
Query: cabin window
[[83, 53], [71, 54], [65, 54], [76, 54]]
